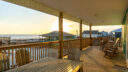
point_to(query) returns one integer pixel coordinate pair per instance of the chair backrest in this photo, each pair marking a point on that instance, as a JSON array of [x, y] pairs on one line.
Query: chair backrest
[[4, 62], [22, 57], [116, 42]]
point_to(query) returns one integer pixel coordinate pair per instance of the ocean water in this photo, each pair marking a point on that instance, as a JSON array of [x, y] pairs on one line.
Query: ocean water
[[20, 36]]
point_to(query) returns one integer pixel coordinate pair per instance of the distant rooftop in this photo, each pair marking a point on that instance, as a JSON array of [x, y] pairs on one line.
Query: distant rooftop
[[117, 30], [56, 34]]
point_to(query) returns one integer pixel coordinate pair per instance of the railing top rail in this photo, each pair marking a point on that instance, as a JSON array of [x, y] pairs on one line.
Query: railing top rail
[[34, 44], [71, 40], [74, 39], [30, 44]]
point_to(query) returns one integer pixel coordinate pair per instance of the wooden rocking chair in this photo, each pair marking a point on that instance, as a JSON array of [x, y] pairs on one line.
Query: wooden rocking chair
[[111, 49]]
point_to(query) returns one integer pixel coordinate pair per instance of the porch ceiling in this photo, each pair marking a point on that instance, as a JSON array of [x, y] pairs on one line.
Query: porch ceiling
[[95, 12]]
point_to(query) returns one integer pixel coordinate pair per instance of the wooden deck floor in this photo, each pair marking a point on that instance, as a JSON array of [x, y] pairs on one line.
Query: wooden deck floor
[[94, 61]]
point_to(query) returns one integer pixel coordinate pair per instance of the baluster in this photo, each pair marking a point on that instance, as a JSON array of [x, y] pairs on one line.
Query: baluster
[[1, 60], [41, 49], [21, 56], [50, 48], [24, 60], [4, 58], [8, 58], [49, 45], [35, 53], [68, 44], [15, 50], [53, 47], [46, 50], [30, 53], [57, 47], [27, 54], [12, 58]]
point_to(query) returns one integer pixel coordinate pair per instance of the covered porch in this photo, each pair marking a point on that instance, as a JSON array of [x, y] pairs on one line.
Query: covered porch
[[91, 13]]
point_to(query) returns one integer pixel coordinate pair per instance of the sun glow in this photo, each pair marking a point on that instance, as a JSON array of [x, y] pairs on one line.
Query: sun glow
[[66, 26]]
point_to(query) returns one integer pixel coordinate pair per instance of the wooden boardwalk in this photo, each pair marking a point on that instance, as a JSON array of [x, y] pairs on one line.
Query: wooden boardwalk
[[94, 61]]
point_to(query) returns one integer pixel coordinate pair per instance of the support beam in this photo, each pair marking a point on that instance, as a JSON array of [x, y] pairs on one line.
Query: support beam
[[90, 27], [81, 35], [60, 35]]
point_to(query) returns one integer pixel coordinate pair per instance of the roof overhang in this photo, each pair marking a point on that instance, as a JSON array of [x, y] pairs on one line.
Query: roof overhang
[[95, 12]]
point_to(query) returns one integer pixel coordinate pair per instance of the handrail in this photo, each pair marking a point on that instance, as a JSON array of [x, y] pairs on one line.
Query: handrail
[[21, 45], [37, 43], [74, 39], [36, 51]]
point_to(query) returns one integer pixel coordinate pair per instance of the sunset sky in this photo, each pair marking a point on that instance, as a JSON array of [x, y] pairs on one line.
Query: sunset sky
[[16, 19]]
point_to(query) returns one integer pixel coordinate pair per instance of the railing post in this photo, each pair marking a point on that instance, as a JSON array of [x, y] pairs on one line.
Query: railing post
[[60, 35], [90, 34], [81, 35]]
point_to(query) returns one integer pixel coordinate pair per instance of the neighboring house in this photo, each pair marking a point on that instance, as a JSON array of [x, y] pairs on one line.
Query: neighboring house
[[104, 33], [52, 36], [117, 32], [95, 33]]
